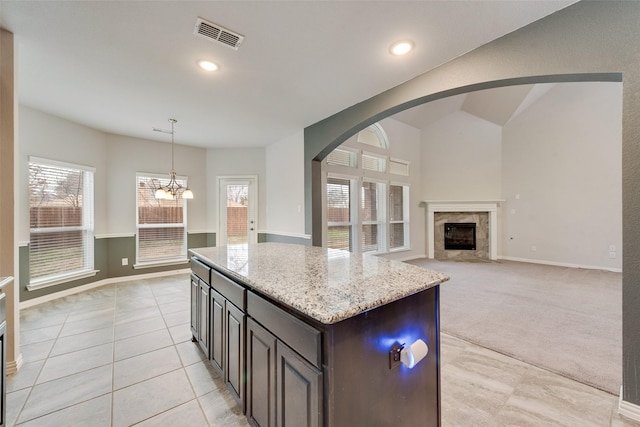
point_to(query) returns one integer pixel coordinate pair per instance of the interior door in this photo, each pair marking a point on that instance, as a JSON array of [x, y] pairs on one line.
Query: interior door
[[237, 216]]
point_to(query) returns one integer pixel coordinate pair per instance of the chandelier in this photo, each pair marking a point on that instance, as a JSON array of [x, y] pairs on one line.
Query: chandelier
[[173, 189]]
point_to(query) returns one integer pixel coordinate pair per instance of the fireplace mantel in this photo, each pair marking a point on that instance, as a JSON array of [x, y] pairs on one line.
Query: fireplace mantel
[[491, 207]]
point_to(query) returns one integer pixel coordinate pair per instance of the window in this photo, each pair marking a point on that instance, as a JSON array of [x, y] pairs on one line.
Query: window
[[398, 216], [372, 213], [342, 158], [365, 211], [161, 224], [61, 222], [339, 219]]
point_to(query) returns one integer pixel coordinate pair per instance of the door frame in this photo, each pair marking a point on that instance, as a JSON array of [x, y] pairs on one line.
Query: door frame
[[252, 213]]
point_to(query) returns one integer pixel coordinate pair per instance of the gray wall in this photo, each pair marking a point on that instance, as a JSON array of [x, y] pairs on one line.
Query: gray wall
[[588, 41]]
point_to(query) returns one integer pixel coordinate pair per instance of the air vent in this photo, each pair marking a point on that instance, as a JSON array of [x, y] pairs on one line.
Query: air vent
[[218, 34]]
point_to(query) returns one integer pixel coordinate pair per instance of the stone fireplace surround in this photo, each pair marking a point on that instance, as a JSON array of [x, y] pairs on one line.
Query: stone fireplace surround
[[489, 208]]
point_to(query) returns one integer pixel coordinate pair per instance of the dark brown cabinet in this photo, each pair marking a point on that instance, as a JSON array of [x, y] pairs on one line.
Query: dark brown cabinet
[[195, 291], [227, 301], [234, 374], [298, 390], [203, 317], [283, 387], [200, 314], [217, 304], [261, 386]]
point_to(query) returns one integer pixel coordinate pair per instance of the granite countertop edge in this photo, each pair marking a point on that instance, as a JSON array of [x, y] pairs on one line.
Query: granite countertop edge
[[319, 296]]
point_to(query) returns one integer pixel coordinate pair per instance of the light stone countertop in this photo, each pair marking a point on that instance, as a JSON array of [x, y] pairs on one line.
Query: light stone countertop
[[325, 284]]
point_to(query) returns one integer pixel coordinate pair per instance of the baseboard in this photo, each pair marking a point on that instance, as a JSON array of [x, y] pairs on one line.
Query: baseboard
[[561, 264], [14, 366], [46, 298], [628, 410]]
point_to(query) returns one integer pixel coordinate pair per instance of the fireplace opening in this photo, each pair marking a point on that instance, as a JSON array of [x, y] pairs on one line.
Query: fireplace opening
[[460, 236]]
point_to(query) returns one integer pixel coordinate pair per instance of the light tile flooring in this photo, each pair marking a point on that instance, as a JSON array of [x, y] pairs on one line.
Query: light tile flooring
[[122, 355]]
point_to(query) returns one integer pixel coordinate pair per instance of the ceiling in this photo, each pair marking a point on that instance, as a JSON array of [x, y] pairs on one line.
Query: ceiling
[[125, 67]]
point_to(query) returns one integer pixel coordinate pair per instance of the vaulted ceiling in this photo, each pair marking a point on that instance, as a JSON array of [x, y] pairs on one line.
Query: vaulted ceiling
[[125, 67]]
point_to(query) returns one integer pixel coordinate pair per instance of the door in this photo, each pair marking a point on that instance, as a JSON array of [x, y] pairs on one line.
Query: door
[[298, 390], [237, 211], [234, 352], [216, 344], [261, 375]]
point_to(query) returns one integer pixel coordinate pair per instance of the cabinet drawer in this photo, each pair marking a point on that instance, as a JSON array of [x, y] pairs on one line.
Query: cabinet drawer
[[201, 270], [301, 337], [229, 289]]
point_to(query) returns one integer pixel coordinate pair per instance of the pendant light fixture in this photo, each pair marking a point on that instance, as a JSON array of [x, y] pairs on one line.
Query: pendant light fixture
[[173, 189]]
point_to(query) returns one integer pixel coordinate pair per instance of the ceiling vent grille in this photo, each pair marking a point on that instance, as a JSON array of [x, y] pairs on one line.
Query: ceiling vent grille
[[216, 33]]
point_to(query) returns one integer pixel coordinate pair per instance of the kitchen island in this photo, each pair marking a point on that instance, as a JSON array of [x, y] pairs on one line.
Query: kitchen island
[[309, 336]]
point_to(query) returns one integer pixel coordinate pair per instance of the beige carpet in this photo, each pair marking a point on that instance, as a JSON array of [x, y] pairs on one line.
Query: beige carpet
[[566, 320]]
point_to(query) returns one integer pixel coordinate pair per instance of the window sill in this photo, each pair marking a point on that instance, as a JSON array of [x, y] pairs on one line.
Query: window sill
[[162, 263], [41, 284]]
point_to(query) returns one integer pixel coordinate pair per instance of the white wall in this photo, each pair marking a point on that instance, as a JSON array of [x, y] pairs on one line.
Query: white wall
[[116, 160], [461, 159], [562, 156], [230, 162], [128, 156], [50, 137], [405, 144], [285, 186]]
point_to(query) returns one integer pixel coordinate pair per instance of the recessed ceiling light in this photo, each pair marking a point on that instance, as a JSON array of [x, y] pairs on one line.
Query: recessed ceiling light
[[401, 47], [207, 65]]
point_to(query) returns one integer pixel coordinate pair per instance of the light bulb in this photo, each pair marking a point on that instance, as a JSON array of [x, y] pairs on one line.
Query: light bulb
[[187, 194], [401, 48], [159, 194]]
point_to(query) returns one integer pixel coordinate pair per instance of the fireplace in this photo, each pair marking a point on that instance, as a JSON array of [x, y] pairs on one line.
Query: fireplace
[[460, 236], [484, 214]]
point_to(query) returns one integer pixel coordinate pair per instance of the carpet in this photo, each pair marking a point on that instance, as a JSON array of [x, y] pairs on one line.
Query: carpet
[[565, 320]]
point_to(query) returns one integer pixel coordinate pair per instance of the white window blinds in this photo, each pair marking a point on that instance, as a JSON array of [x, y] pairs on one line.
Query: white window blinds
[[161, 224], [339, 230], [61, 219]]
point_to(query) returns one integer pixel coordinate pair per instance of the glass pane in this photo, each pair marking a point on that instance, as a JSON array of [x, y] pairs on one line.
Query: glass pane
[[339, 237], [369, 237], [373, 163], [338, 200], [158, 211], [237, 214], [160, 243], [57, 207], [342, 158], [55, 253], [398, 168], [369, 201], [397, 235], [396, 203]]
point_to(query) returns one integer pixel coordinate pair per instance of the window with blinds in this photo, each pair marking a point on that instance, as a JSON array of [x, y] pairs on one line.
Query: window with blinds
[[339, 219], [61, 220], [398, 216], [161, 224], [341, 157], [372, 213], [366, 210]]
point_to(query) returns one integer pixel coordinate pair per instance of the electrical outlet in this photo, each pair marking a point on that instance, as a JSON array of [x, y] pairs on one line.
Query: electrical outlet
[[394, 355], [533, 249], [612, 254], [612, 248], [125, 261]]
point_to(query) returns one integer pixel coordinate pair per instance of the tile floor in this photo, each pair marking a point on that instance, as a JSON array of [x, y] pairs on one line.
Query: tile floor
[[122, 355]]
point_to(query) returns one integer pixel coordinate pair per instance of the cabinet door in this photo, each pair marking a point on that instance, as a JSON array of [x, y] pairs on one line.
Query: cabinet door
[[234, 352], [203, 317], [216, 344], [298, 390], [195, 290], [261, 375]]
